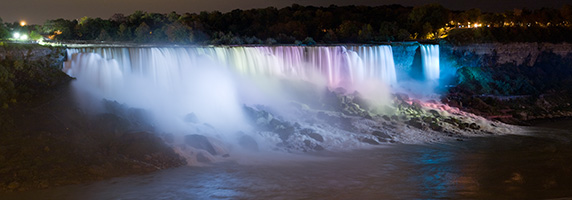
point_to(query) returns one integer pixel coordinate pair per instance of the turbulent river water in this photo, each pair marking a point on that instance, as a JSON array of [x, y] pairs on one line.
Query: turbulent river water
[[531, 165]]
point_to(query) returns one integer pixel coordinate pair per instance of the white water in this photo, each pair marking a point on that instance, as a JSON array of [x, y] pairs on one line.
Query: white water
[[430, 60], [337, 65], [214, 82]]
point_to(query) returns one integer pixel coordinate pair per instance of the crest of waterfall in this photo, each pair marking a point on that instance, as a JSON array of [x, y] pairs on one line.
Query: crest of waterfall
[[337, 65]]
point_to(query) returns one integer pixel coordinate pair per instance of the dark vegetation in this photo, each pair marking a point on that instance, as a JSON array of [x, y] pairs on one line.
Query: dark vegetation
[[27, 70], [309, 25], [510, 34]]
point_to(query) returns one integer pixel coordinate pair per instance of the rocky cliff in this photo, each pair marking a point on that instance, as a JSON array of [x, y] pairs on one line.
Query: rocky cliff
[[513, 82], [510, 53]]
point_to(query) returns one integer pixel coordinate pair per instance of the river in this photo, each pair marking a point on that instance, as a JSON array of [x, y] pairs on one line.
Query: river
[[531, 165]]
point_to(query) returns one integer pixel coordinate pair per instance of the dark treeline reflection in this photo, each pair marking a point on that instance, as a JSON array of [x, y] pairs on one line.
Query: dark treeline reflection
[[309, 25]]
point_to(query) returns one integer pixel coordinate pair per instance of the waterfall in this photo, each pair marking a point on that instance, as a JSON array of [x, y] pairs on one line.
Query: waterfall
[[202, 80], [213, 83], [337, 65], [430, 61]]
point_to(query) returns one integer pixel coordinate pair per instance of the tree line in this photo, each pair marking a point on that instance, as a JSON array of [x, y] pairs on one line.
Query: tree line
[[298, 24]]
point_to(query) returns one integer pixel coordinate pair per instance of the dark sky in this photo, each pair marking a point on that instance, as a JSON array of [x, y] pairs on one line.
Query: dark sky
[[37, 11]]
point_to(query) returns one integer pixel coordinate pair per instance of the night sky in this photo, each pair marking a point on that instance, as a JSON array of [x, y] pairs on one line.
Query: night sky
[[37, 11]]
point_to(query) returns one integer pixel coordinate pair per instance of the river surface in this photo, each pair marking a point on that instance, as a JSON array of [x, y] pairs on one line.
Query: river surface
[[532, 165]]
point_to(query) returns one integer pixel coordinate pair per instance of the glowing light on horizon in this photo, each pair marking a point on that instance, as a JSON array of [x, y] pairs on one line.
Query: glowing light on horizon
[[18, 36], [23, 23]]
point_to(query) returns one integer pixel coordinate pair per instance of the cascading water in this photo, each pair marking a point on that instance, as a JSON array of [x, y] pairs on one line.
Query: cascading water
[[337, 65], [430, 60], [213, 83]]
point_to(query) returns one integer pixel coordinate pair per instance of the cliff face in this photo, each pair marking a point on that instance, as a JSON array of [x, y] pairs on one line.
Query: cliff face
[[512, 82], [511, 53]]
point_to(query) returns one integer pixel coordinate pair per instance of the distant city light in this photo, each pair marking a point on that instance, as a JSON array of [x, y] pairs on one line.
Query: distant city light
[[18, 36], [23, 23]]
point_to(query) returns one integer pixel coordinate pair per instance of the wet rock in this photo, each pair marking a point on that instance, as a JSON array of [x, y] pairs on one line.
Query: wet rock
[[428, 119], [436, 127], [191, 118], [394, 117], [402, 97], [358, 99], [474, 126], [284, 130], [463, 125], [310, 133], [386, 118], [416, 122], [369, 141], [318, 147], [258, 117], [452, 120], [435, 113], [200, 142], [204, 157], [309, 145], [381, 135], [248, 143], [417, 105]]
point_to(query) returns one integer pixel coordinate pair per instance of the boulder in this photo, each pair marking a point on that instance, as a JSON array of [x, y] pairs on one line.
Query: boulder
[[312, 134], [381, 136], [369, 141], [204, 157], [436, 127], [474, 126], [435, 113], [200, 142], [191, 118], [248, 143], [309, 145], [386, 118], [416, 122]]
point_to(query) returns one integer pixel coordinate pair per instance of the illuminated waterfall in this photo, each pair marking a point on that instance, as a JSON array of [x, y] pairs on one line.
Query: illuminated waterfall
[[171, 78], [337, 65], [213, 83], [430, 60]]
